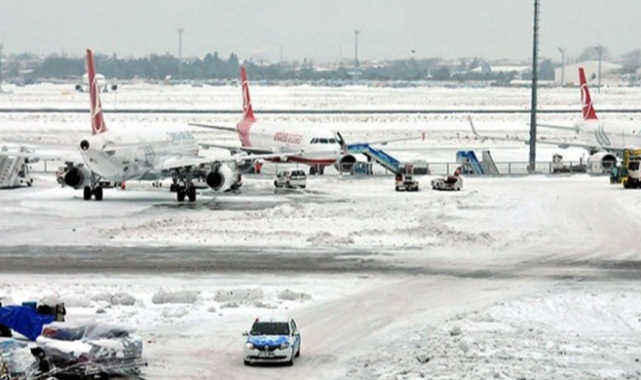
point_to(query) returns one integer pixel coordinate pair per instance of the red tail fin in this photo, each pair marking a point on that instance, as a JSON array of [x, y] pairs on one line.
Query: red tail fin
[[586, 99], [248, 112], [97, 120]]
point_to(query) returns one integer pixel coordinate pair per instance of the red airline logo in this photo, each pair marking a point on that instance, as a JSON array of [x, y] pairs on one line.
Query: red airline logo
[[288, 138]]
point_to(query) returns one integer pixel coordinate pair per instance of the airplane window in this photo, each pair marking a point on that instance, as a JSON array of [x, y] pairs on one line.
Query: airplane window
[[323, 141], [313, 141], [332, 141]]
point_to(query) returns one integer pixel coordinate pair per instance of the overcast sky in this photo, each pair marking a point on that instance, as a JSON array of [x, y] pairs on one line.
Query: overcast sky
[[318, 28]]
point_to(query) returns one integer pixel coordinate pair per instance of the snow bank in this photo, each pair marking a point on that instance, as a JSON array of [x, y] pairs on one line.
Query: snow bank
[[178, 296], [290, 295], [241, 295], [569, 333]]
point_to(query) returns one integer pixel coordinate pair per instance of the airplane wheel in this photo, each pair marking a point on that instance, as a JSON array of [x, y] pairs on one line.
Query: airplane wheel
[[87, 193], [97, 193], [191, 194], [180, 194]]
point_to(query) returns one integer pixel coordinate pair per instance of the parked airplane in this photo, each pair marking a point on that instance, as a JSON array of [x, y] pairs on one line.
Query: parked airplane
[[121, 156], [322, 147], [605, 141], [103, 85]]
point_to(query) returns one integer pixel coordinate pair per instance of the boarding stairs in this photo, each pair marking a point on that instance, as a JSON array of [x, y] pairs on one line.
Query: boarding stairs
[[471, 164], [385, 160], [11, 170]]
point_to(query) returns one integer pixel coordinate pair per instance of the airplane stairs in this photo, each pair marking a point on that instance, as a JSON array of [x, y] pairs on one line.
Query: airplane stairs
[[379, 156], [9, 171], [471, 164]]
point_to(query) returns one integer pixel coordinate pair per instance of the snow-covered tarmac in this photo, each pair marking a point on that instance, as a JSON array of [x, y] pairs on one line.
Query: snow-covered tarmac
[[537, 273], [531, 277]]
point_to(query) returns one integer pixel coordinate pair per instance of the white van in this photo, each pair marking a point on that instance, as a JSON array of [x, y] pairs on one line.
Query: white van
[[291, 179]]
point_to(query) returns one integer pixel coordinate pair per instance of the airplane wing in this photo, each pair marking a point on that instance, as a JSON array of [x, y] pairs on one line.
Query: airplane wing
[[212, 126], [39, 145], [560, 144], [34, 155], [560, 127], [385, 142], [247, 149], [178, 162]]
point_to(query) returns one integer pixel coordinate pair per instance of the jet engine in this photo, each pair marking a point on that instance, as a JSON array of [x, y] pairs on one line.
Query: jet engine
[[114, 87], [223, 179], [602, 162], [345, 163], [78, 177]]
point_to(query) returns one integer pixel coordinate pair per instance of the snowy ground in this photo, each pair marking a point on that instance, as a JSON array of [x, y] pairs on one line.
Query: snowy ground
[[531, 277], [136, 96]]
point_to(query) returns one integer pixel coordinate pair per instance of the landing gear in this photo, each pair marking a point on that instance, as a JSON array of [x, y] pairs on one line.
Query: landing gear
[[191, 193], [97, 193], [187, 189], [317, 169], [88, 193], [94, 190]]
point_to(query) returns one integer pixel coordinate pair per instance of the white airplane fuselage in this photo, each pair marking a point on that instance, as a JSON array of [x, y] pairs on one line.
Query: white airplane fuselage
[[602, 133], [119, 156], [320, 146]]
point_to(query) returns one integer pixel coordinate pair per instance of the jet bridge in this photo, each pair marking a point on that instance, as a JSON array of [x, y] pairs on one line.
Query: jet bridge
[[385, 160]]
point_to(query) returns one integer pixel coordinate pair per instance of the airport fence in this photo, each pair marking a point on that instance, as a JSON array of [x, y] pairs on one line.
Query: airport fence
[[511, 168]]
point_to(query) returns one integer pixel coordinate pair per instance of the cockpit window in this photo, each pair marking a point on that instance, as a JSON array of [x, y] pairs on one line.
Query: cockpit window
[[323, 141], [313, 141], [332, 141]]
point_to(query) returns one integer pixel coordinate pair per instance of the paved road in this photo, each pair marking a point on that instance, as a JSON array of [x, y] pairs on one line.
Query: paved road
[[168, 259]]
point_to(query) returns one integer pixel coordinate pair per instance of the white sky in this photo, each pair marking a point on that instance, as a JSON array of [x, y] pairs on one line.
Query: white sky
[[317, 28]]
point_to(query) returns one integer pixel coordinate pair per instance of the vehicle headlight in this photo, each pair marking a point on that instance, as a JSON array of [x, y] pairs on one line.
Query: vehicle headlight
[[250, 346], [284, 345]]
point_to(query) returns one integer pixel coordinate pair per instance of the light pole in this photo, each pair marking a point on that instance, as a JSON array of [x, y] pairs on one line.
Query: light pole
[[180, 53], [562, 51], [535, 61], [356, 33], [1, 67], [599, 50]]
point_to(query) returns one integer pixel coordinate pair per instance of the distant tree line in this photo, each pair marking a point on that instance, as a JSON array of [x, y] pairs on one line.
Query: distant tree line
[[212, 66]]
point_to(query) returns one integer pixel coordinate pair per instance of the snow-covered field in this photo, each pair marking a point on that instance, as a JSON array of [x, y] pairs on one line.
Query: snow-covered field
[[136, 96], [531, 277]]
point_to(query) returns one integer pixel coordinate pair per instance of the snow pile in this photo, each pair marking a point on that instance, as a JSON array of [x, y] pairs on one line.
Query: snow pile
[[578, 334], [327, 238], [290, 295], [246, 296], [119, 298], [178, 296]]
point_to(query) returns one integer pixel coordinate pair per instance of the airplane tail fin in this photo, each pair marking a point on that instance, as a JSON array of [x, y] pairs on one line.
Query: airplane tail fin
[[586, 99], [97, 119], [248, 112]]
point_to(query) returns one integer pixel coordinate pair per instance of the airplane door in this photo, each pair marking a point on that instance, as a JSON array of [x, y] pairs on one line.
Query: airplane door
[[340, 139]]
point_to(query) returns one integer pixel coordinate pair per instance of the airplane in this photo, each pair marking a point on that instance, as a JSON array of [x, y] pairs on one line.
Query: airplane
[[605, 141], [322, 147], [124, 155], [83, 86]]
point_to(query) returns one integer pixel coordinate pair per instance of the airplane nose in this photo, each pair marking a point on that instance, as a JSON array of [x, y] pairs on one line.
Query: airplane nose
[[84, 145]]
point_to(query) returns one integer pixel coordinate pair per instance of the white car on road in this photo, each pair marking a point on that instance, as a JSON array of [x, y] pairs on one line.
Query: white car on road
[[272, 340], [291, 179]]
